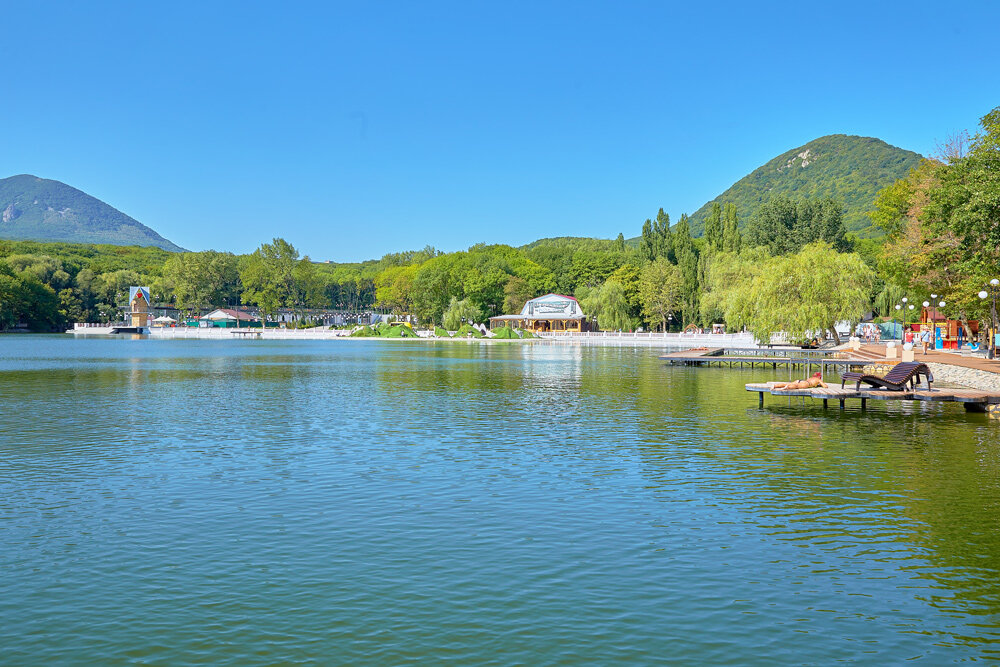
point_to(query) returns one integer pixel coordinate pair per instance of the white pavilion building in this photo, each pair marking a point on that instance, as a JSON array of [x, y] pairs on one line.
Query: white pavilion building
[[552, 312]]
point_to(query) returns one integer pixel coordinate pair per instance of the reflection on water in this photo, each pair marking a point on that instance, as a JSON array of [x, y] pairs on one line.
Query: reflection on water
[[364, 501]]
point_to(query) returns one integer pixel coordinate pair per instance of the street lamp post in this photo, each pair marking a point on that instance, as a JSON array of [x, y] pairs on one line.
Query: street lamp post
[[992, 293], [902, 331]]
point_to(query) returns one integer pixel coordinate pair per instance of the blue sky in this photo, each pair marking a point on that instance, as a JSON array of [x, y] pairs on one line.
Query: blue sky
[[357, 129]]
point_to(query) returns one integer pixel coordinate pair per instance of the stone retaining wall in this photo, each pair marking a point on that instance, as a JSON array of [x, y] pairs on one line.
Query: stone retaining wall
[[967, 377]]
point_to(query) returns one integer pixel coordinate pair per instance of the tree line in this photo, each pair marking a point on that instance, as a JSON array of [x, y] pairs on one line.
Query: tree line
[[790, 268]]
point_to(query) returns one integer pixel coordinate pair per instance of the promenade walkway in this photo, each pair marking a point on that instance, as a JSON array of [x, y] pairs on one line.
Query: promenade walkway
[[974, 362]]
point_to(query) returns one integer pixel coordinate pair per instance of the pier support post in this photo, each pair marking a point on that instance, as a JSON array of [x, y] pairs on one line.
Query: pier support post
[[841, 404], [760, 402], [864, 404], [825, 403]]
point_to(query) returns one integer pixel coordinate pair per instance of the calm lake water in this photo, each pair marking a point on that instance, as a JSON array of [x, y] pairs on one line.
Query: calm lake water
[[372, 502]]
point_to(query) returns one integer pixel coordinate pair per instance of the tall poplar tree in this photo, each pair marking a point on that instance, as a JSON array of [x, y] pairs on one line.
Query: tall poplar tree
[[687, 260], [662, 229], [713, 227], [732, 240], [647, 244], [656, 238]]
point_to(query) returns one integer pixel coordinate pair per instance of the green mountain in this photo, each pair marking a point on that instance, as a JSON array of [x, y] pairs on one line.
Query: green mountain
[[847, 168], [38, 209]]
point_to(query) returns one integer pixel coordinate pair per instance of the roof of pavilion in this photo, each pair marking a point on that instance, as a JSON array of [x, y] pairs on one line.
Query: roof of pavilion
[[221, 314], [578, 316], [548, 307]]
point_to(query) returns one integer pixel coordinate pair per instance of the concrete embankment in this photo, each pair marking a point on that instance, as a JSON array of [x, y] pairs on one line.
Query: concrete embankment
[[966, 377], [608, 338]]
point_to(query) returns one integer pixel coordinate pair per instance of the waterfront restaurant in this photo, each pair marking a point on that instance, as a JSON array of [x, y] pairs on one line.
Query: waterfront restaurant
[[552, 312]]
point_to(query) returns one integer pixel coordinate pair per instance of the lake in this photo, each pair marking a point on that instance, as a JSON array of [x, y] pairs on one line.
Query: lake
[[380, 502]]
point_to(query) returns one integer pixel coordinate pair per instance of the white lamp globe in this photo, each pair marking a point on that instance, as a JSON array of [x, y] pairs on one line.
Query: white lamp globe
[[942, 304], [911, 306], [926, 303], [995, 282], [905, 299], [898, 306], [983, 294], [933, 296]]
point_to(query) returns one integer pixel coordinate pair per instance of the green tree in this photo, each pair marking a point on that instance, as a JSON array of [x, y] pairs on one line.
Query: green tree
[[456, 311], [687, 261], [966, 199], [656, 238], [662, 229], [620, 243], [394, 287], [12, 297], [267, 275], [308, 288], [732, 240], [799, 295], [627, 276], [610, 304], [516, 293], [784, 226], [660, 286], [713, 228]]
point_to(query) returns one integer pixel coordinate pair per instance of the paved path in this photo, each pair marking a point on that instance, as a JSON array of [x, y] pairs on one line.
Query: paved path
[[938, 357]]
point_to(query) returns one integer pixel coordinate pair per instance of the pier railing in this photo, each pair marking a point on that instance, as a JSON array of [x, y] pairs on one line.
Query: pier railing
[[743, 340]]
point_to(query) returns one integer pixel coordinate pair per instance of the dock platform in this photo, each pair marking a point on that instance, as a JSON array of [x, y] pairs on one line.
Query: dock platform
[[791, 358], [974, 400]]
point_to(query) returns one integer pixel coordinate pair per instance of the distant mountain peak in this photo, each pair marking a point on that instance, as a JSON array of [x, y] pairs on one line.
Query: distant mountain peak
[[41, 209], [848, 168]]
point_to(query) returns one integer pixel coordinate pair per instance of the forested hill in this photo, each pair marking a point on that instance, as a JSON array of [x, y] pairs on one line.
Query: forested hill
[[848, 168], [39, 209]]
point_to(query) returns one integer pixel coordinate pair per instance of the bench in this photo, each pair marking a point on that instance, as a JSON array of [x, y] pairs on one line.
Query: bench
[[902, 374]]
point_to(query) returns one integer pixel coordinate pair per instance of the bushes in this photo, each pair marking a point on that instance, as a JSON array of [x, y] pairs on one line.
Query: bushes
[[398, 331], [441, 333], [505, 333], [467, 330], [383, 330]]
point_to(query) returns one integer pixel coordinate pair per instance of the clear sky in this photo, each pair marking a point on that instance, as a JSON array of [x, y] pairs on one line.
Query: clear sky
[[356, 129]]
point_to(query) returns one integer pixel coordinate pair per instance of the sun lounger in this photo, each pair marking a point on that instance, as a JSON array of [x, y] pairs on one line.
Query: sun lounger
[[901, 375]]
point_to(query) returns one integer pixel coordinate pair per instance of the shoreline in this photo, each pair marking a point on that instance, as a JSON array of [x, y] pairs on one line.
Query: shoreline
[[952, 374]]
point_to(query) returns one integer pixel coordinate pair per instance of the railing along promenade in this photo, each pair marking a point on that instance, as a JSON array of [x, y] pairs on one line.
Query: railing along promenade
[[680, 340]]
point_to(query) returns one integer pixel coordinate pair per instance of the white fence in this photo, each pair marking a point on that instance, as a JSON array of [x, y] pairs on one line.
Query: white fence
[[674, 340], [654, 338], [218, 333]]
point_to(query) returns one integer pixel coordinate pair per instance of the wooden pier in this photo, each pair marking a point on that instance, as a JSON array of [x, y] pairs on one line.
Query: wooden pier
[[822, 360], [973, 400]]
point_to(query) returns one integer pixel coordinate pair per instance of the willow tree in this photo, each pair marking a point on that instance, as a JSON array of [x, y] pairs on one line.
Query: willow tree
[[660, 285], [458, 313], [609, 303], [801, 295]]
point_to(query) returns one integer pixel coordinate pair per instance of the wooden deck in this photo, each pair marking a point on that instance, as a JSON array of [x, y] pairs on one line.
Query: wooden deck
[[840, 359], [694, 352], [972, 399]]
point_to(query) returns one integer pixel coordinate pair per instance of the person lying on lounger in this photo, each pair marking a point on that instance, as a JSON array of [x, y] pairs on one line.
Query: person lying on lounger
[[815, 381]]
